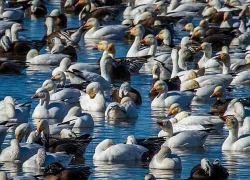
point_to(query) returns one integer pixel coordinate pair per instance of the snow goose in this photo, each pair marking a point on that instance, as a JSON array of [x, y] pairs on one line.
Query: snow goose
[[126, 90], [46, 109], [134, 51], [125, 110], [15, 114], [69, 95], [110, 152], [43, 159], [34, 58], [233, 142], [164, 159], [106, 32], [22, 131], [80, 119], [94, 99], [186, 139], [165, 98], [6, 100], [186, 118], [208, 170], [18, 152], [63, 66], [75, 147]]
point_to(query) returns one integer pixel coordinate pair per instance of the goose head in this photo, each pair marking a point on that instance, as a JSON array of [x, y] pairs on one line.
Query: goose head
[[23, 130], [41, 93], [115, 112], [105, 144], [218, 92], [166, 126], [34, 5], [9, 99], [190, 85], [91, 22], [190, 75], [165, 36], [131, 139], [69, 3], [206, 166], [149, 177], [215, 3], [16, 27], [138, 30], [93, 89], [58, 76], [49, 85], [31, 54], [159, 87], [124, 89], [205, 47], [106, 46], [174, 109], [231, 122], [43, 126], [149, 40], [55, 13], [188, 27], [224, 58]]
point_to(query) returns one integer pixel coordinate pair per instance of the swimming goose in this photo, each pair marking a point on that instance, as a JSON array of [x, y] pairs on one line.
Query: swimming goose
[[14, 114], [165, 98], [18, 152], [106, 32], [34, 58], [94, 99], [208, 170], [233, 142], [46, 109], [43, 159], [75, 147], [134, 51], [110, 152], [6, 100], [164, 159], [126, 90], [186, 118], [22, 132], [187, 139], [124, 110], [58, 171], [69, 95]]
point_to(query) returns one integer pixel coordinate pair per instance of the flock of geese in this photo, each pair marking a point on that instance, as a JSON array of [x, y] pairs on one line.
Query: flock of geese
[[197, 52]]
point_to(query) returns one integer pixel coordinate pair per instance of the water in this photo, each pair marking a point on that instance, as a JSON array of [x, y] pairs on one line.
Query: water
[[22, 87]]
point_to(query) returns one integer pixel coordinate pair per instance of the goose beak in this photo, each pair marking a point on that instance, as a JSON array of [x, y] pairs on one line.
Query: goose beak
[[160, 123], [169, 113], [53, 78], [143, 41], [153, 91], [35, 96], [223, 118]]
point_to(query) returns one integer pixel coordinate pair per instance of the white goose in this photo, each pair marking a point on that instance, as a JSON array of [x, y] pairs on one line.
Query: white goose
[[69, 95], [106, 32], [186, 118], [186, 139], [43, 159], [34, 58], [124, 110], [46, 109], [165, 98], [18, 152], [63, 66], [94, 99], [164, 159], [110, 152], [134, 51], [233, 142]]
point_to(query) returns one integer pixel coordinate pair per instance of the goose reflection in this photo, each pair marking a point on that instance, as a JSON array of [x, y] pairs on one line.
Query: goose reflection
[[165, 174]]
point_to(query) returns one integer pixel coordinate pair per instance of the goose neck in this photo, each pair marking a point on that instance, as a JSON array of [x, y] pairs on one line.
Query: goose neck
[[14, 35], [105, 66], [152, 49], [175, 69]]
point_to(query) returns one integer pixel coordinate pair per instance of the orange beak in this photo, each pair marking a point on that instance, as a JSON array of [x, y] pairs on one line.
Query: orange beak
[[153, 91], [35, 96], [53, 78], [143, 41], [169, 113]]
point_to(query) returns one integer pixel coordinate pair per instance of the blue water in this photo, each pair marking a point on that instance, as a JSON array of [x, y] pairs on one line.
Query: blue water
[[23, 86]]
